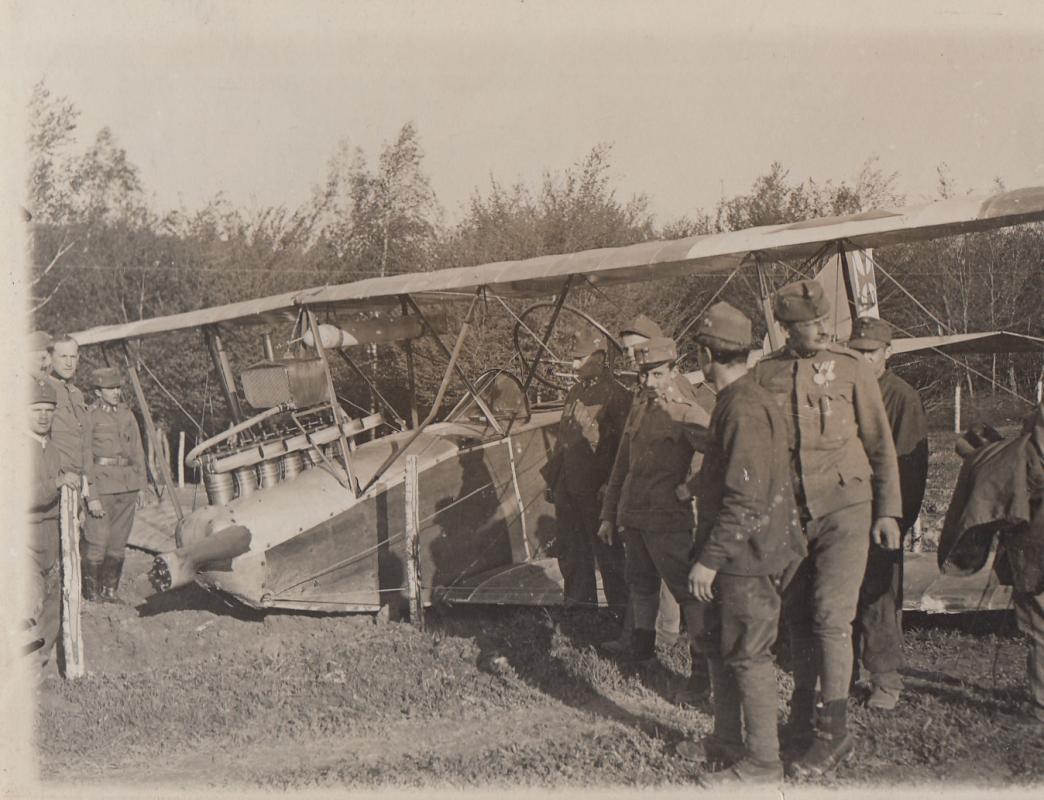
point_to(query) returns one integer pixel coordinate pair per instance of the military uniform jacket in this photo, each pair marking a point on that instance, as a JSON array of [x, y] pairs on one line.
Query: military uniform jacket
[[588, 436], [661, 440], [748, 522], [114, 436], [44, 503], [910, 434], [837, 430], [69, 433]]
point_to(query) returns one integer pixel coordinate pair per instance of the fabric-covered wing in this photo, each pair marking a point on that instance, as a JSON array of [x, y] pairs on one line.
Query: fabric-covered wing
[[543, 275], [986, 342]]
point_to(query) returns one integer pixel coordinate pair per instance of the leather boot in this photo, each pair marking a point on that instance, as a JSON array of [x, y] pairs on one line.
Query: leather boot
[[111, 569], [643, 648], [832, 744], [796, 736], [89, 580], [622, 644]]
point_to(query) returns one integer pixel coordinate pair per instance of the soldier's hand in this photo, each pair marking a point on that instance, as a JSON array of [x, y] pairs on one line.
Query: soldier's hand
[[681, 491], [70, 479], [885, 533], [94, 508], [606, 531], [701, 582]]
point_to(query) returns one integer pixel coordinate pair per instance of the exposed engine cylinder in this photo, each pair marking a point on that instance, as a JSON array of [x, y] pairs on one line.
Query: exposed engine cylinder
[[246, 481], [220, 486], [292, 465], [269, 472]]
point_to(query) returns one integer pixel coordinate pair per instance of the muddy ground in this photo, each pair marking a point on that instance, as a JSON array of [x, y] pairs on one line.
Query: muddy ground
[[185, 690]]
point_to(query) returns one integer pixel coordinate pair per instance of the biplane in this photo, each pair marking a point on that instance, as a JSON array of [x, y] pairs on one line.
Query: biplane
[[308, 506]]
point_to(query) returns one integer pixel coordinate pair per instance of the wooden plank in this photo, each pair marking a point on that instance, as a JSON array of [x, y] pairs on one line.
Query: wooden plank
[[72, 634], [411, 496]]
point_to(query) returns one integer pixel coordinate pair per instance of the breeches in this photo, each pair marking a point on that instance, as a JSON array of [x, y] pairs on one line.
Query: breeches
[[107, 536], [879, 621], [653, 556], [580, 551], [821, 600]]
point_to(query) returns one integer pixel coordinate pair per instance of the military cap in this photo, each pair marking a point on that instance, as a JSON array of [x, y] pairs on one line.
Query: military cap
[[656, 351], [39, 340], [870, 333], [106, 378], [583, 346], [724, 327], [643, 326], [802, 301], [42, 390]]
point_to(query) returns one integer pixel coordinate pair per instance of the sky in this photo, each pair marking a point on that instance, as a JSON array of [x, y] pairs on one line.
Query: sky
[[696, 99]]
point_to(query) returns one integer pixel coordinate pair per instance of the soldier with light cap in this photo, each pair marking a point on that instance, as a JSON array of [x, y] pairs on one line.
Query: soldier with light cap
[[39, 354], [662, 438], [595, 410], [116, 474], [748, 541], [879, 622], [846, 482]]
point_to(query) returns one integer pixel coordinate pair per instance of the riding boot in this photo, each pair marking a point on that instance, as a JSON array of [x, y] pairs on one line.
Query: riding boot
[[643, 648], [698, 688], [832, 743], [89, 579], [111, 570], [796, 736], [621, 645]]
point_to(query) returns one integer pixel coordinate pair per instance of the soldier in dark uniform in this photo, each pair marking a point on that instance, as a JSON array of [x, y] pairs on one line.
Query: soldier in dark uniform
[[879, 622], [999, 497], [748, 542], [116, 475], [46, 479], [846, 482], [596, 408], [668, 615], [69, 431], [661, 438]]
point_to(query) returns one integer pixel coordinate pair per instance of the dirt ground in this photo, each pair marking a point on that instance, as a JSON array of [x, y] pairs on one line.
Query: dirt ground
[[186, 690], [192, 692]]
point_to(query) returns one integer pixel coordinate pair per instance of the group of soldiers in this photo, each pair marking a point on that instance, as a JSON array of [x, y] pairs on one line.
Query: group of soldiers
[[95, 451], [806, 475]]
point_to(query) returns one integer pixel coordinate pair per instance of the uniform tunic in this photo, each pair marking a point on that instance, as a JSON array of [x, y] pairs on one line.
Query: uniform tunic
[[588, 437], [661, 442], [114, 438], [837, 427], [44, 544], [69, 431]]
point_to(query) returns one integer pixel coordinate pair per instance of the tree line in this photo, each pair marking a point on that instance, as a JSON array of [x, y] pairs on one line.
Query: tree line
[[101, 253]]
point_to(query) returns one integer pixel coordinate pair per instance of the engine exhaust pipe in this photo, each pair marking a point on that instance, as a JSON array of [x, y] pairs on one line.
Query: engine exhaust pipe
[[179, 567]]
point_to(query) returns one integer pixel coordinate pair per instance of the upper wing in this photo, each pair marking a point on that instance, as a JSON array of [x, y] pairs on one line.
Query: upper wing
[[695, 255]]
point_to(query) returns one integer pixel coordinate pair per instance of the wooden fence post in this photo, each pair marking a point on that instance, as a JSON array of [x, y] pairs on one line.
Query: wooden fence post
[[957, 407], [71, 600], [413, 575]]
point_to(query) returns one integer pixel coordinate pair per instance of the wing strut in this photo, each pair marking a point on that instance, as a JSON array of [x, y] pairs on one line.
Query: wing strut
[[224, 370], [168, 481], [338, 414], [450, 368], [453, 362], [411, 376]]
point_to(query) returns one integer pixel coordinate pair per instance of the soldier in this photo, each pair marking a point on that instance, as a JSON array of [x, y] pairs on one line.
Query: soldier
[[46, 479], [69, 431], [596, 408], [39, 354], [748, 539], [116, 475], [660, 440], [879, 621], [846, 482]]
